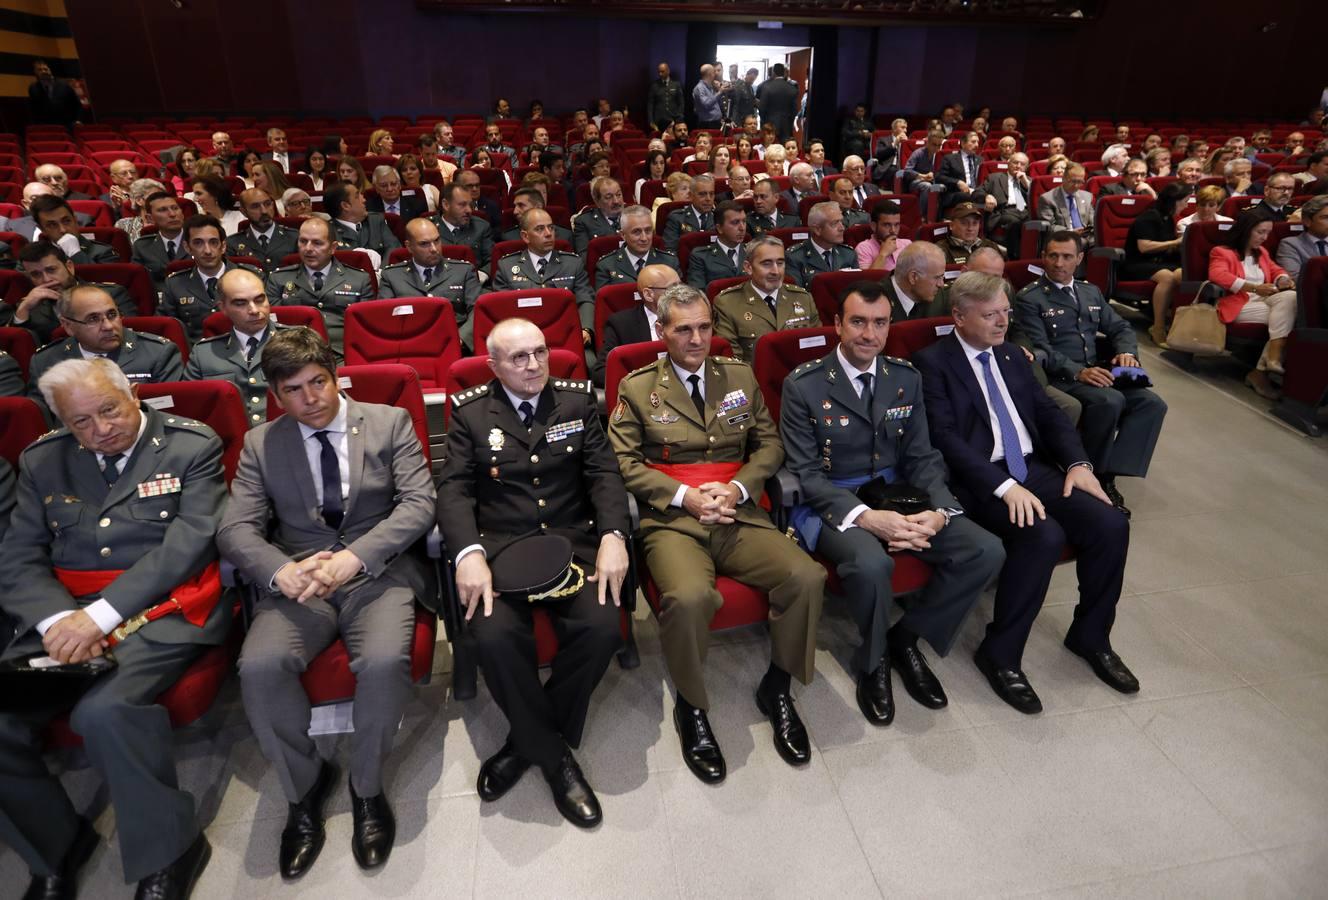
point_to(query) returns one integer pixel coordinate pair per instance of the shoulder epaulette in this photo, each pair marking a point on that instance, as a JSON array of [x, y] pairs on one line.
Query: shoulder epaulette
[[183, 423], [153, 338], [648, 367], [398, 265], [225, 335], [901, 362], [510, 255], [575, 385], [291, 268], [46, 438], [738, 288], [810, 366], [797, 289], [727, 360], [460, 398], [58, 343], [178, 272]]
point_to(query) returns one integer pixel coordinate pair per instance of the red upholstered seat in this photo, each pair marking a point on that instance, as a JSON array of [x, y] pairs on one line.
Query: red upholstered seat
[[328, 679], [131, 276], [420, 332], [20, 344], [827, 286], [308, 316], [610, 299], [1023, 272], [21, 423], [553, 310], [117, 238], [689, 242], [1115, 214], [218, 403], [911, 335], [780, 352]]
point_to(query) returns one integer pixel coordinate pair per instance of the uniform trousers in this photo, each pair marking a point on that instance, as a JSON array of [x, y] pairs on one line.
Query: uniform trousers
[[684, 569], [1119, 428], [375, 617], [128, 740]]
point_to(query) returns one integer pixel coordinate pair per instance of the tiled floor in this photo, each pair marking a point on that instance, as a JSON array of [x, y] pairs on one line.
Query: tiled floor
[[1212, 782]]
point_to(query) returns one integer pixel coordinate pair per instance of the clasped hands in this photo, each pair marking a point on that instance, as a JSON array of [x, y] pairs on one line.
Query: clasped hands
[[713, 503], [901, 532], [319, 575], [75, 638]]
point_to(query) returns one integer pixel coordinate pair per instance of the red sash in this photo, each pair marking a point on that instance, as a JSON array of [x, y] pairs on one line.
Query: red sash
[[194, 599], [696, 474]]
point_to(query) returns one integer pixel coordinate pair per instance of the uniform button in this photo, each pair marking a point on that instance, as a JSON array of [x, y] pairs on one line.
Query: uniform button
[[164, 514], [105, 523], [569, 448], [712, 438], [544, 525], [254, 399], [534, 457], [55, 524], [253, 381], [256, 417], [105, 551], [876, 456], [542, 503], [535, 481]]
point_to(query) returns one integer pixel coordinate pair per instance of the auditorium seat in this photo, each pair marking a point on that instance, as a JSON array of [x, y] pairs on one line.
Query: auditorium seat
[[1305, 384], [118, 239], [553, 310], [20, 344], [131, 276], [1112, 220]]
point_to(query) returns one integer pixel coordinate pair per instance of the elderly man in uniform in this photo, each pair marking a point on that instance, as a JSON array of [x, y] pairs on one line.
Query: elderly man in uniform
[[191, 294], [824, 250], [724, 256], [763, 303], [766, 213], [528, 456], [540, 265], [699, 215], [965, 236], [325, 507], [111, 543], [849, 418], [156, 252], [638, 250], [636, 324], [458, 224], [320, 280], [430, 274], [1061, 317], [357, 228], [916, 287], [51, 273], [696, 446], [604, 218], [262, 237], [57, 223]]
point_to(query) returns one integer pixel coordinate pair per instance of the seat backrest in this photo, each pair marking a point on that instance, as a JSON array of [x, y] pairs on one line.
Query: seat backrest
[[806, 203], [553, 310], [472, 371], [100, 212], [1115, 214], [14, 286], [1234, 206], [420, 332], [827, 286], [310, 317], [217, 404], [610, 299], [1022, 272], [691, 241], [1313, 291], [20, 344], [630, 357], [1197, 243], [780, 352], [131, 276], [168, 327], [600, 246], [117, 238], [911, 335], [664, 211], [391, 384], [21, 423], [1043, 183]]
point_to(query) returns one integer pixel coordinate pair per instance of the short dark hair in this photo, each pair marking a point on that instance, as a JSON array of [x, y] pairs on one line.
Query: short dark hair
[[1063, 235], [726, 207], [290, 350], [450, 189], [333, 198], [158, 195], [777, 70], [201, 220], [548, 160], [48, 203], [39, 250], [535, 194], [870, 291], [1170, 196], [1315, 158], [885, 208]]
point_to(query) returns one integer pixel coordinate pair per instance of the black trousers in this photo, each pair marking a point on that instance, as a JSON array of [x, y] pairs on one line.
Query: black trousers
[[546, 718], [1100, 535]]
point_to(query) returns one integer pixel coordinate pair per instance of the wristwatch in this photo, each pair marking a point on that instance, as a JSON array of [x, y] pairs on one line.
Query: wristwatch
[[616, 533]]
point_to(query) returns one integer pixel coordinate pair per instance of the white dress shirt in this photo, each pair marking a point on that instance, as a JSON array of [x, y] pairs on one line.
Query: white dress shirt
[[313, 448], [998, 446], [283, 160], [535, 258], [904, 299], [683, 376]]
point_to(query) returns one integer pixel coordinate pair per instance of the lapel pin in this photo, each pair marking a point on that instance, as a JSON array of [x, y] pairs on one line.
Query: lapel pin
[[354, 429]]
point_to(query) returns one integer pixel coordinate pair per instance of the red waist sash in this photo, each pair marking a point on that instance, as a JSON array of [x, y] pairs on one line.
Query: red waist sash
[[696, 474], [194, 599]]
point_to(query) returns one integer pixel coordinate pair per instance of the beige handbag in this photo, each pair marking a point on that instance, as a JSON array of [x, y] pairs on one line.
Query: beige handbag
[[1196, 328]]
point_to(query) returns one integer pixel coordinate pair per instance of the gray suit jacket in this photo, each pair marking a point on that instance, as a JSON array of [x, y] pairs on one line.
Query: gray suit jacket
[[1294, 252], [1052, 207], [390, 506]]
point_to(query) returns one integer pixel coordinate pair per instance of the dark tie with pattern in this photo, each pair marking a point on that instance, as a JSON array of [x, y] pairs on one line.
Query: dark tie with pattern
[[250, 348], [262, 242], [1323, 247], [428, 275], [172, 250], [333, 511], [640, 263], [540, 267], [1014, 457], [829, 261], [110, 469], [211, 286], [527, 413], [697, 400], [733, 257], [318, 282], [866, 380]]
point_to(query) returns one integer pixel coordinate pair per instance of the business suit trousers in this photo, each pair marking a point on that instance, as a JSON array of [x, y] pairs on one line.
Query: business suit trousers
[[546, 718], [128, 740], [1100, 536], [964, 558], [375, 617], [684, 570], [1119, 428]]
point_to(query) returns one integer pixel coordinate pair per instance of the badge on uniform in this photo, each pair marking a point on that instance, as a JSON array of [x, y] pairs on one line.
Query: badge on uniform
[[741, 417], [496, 439], [895, 413], [563, 430], [843, 421], [826, 404], [798, 310], [654, 399], [158, 485], [290, 288], [664, 418], [732, 400], [829, 420], [619, 410]]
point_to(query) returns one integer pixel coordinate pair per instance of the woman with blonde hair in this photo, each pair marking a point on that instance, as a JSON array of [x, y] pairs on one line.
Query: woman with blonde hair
[[268, 176], [381, 143], [1056, 165], [1089, 135], [679, 187]]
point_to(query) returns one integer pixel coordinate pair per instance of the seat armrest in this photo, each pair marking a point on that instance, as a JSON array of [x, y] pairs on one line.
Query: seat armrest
[[633, 513], [434, 543], [784, 489]]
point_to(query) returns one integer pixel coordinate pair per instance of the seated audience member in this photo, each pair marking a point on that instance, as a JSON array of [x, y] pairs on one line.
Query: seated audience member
[[1197, 149], [481, 204], [824, 249], [841, 192], [1276, 203], [724, 256], [874, 423], [51, 273], [354, 227], [698, 215], [920, 171], [1005, 196], [349, 171], [916, 288], [388, 196], [540, 142], [157, 251], [186, 163], [1190, 172], [882, 249], [299, 205], [541, 265], [430, 274], [1056, 146], [331, 552], [1021, 472], [777, 160], [57, 223], [1152, 252], [269, 178], [636, 324], [603, 218], [320, 280], [190, 294], [766, 213], [55, 178], [1207, 201], [1257, 290], [448, 148], [764, 302], [965, 234], [802, 183], [484, 517], [1114, 161], [533, 196], [656, 169], [1238, 173], [457, 224], [432, 160], [821, 168], [1216, 163], [1006, 147], [213, 198], [1122, 134], [740, 184], [123, 173], [961, 172], [26, 226], [249, 159], [637, 251], [316, 167], [77, 578], [1069, 207], [855, 170], [1120, 426], [1314, 180], [1134, 181], [1158, 161], [700, 518], [1295, 144], [1057, 164], [279, 151], [493, 144], [719, 162], [262, 237], [700, 150], [1297, 249]]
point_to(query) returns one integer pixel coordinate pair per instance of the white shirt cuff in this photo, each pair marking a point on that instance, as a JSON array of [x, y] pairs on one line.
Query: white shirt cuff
[[742, 491], [853, 516], [677, 497], [468, 549], [104, 615], [44, 625], [1003, 488], [1237, 285]]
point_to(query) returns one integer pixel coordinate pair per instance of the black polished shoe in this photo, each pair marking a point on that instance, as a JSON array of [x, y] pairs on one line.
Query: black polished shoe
[[572, 794], [375, 829], [1011, 685], [302, 838], [700, 750], [1107, 666], [63, 885], [500, 773], [1109, 488], [791, 740], [876, 698], [921, 684], [176, 881]]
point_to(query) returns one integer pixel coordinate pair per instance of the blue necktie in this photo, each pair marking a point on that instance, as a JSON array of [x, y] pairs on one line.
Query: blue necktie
[[1075, 221], [333, 511], [1014, 458]]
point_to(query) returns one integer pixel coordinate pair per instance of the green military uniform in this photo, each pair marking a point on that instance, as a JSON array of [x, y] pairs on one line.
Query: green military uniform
[[759, 225], [451, 279], [957, 252], [804, 261], [939, 305], [477, 235], [150, 252], [563, 270], [293, 286], [590, 224], [42, 320], [712, 261], [11, 377], [281, 243], [854, 216], [742, 315], [187, 298], [371, 234], [222, 358], [617, 268], [144, 358], [559, 233], [685, 221], [656, 422], [90, 251]]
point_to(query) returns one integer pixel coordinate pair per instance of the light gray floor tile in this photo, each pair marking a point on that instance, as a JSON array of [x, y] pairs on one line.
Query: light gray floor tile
[[1237, 877], [1302, 867], [1304, 700]]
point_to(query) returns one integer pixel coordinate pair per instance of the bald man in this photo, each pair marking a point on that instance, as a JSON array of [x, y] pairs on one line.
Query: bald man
[[635, 324], [430, 274]]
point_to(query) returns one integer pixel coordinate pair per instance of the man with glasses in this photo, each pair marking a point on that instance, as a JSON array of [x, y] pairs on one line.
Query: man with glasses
[[636, 324], [1134, 181], [1069, 207], [527, 454], [1276, 203], [430, 274], [52, 274]]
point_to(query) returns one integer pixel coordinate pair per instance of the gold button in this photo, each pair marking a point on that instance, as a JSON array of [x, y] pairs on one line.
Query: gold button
[[164, 514], [535, 481], [256, 417], [105, 551], [712, 438], [55, 524], [254, 399], [569, 448], [544, 525], [253, 380], [534, 457], [104, 523]]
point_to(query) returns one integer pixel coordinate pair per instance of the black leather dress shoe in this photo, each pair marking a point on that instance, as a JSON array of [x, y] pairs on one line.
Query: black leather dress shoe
[[700, 750], [1107, 666], [302, 838], [1011, 685], [63, 885], [572, 794], [500, 773], [176, 881], [921, 684], [374, 829], [1109, 488], [876, 698], [791, 740]]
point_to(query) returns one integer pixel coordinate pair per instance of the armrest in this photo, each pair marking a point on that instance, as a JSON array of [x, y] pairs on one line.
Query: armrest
[[634, 513], [1100, 268], [784, 489]]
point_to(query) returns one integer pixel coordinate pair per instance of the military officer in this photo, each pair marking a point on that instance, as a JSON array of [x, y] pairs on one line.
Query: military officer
[[696, 445], [96, 328], [430, 274], [1062, 317], [262, 238], [523, 450], [697, 216], [841, 191], [848, 418], [763, 303], [766, 213], [457, 224], [916, 286], [604, 218], [116, 514], [191, 294], [530, 198], [157, 251], [824, 250], [319, 280], [541, 266], [356, 227], [56, 221], [964, 238], [638, 250], [724, 256], [52, 274]]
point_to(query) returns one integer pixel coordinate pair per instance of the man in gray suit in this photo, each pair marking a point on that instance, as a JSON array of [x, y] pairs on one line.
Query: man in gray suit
[[1296, 250], [343, 490], [101, 534], [1055, 207], [430, 274]]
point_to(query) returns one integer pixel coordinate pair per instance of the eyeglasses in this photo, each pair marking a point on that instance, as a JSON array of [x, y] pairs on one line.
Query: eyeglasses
[[522, 359], [96, 319]]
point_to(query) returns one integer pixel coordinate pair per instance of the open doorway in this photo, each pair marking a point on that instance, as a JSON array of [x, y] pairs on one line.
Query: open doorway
[[739, 59]]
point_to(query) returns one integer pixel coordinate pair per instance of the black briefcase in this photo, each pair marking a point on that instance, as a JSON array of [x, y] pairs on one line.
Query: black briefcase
[[898, 497], [35, 683]]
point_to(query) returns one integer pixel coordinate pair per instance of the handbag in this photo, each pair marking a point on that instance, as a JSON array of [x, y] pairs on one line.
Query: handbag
[[899, 497], [1197, 328], [36, 683]]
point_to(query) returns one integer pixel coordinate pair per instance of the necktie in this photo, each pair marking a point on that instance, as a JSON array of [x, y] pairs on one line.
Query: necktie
[[211, 286], [640, 263], [614, 223], [250, 348], [773, 302], [318, 282], [171, 250], [110, 468], [733, 257], [707, 222], [1016, 194], [867, 398], [262, 242], [1323, 247], [1014, 458], [428, 275], [540, 266], [333, 511], [527, 413], [697, 400], [393, 208], [829, 261], [861, 194], [1075, 221]]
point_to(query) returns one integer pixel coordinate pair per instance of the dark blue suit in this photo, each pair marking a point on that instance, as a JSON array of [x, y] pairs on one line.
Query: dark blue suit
[[960, 426]]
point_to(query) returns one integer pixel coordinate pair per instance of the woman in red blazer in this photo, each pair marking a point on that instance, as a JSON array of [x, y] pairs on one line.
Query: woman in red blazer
[[1259, 290]]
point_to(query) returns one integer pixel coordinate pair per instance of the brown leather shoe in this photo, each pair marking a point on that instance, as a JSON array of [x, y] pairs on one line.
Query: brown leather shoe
[[1263, 385]]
